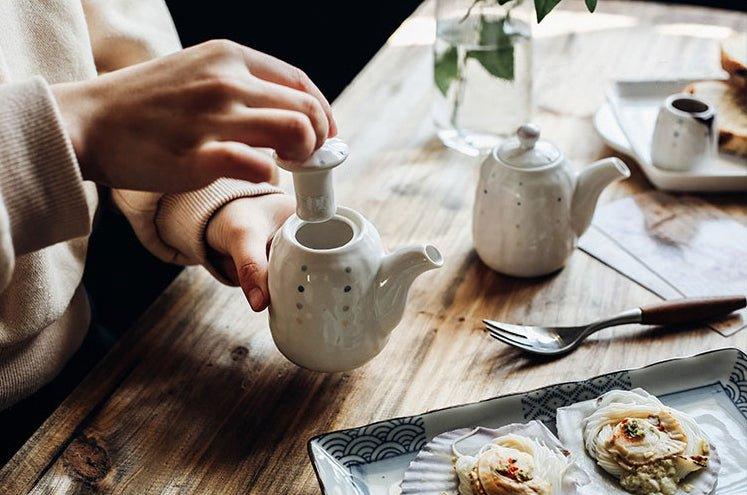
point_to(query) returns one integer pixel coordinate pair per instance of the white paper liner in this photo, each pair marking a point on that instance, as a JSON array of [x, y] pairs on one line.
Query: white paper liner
[[570, 430], [432, 471]]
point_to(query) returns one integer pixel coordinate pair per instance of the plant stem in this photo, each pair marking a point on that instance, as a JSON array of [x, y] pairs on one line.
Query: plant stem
[[459, 87], [469, 10]]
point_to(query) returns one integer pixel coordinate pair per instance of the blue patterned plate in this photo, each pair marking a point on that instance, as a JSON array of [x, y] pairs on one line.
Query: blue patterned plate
[[372, 459]]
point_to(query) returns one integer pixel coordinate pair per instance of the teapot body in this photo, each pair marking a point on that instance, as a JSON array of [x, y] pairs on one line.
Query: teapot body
[[522, 219], [322, 281]]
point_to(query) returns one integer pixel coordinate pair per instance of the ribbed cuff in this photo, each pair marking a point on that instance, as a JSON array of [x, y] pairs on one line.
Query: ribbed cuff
[[182, 219], [39, 176]]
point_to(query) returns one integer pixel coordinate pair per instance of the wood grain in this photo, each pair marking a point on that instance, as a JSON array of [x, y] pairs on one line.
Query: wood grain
[[196, 399]]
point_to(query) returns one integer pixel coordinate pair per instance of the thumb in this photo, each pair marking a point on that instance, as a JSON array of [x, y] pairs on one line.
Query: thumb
[[250, 259]]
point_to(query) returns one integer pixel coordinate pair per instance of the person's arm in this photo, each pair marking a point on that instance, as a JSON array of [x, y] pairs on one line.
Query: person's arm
[[171, 226], [222, 100], [42, 200]]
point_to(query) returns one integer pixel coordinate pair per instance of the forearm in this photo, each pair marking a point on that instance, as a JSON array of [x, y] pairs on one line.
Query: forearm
[[40, 182]]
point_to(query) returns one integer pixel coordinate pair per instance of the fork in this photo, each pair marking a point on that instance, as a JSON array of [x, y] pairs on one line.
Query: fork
[[560, 340]]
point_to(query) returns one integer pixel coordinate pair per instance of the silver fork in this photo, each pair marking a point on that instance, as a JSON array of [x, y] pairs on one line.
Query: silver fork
[[559, 340]]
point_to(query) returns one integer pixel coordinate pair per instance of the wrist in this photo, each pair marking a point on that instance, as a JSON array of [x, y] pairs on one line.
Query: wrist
[[215, 233], [75, 104]]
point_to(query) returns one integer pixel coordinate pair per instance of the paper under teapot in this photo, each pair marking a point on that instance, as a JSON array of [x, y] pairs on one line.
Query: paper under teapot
[[335, 294], [530, 207]]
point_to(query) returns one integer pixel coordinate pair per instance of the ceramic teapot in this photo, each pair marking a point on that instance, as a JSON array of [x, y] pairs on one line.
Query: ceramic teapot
[[530, 207], [335, 293]]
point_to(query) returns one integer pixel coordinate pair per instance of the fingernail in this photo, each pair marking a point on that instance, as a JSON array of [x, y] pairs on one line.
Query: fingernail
[[256, 298]]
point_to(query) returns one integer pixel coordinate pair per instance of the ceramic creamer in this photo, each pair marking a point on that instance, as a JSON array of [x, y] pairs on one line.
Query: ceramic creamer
[[685, 135], [530, 207]]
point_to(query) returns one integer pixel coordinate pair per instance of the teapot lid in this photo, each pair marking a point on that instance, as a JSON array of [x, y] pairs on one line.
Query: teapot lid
[[526, 150], [312, 180]]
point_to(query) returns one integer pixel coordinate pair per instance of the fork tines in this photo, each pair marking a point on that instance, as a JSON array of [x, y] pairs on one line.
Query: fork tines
[[507, 336]]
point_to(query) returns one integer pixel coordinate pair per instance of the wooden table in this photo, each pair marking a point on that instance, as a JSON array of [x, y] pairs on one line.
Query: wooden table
[[195, 398]]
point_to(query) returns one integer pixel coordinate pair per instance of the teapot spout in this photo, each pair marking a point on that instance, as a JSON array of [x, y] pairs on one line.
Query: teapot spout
[[398, 270], [589, 185]]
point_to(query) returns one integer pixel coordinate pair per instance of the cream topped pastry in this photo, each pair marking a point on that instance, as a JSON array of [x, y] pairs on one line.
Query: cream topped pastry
[[510, 465], [648, 446]]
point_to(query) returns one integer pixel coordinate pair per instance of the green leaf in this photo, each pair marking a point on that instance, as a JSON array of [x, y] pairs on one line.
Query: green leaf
[[499, 60], [591, 5], [543, 7], [445, 69]]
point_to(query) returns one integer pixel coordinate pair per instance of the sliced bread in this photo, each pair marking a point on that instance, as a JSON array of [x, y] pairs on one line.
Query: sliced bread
[[734, 59], [731, 106]]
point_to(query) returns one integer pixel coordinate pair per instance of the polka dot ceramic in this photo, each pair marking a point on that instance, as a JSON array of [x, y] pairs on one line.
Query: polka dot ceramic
[[336, 295], [530, 207]]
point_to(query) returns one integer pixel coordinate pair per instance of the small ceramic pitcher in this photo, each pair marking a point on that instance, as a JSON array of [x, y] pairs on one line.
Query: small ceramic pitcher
[[531, 206], [336, 294], [685, 134]]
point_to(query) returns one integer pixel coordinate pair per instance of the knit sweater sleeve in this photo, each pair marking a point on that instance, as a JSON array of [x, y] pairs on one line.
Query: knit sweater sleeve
[[42, 200], [171, 226]]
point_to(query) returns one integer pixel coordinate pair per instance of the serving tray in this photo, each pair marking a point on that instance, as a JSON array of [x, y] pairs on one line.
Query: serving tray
[[635, 105], [372, 459]]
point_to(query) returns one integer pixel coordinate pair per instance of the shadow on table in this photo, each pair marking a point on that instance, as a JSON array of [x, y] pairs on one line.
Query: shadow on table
[[214, 421]]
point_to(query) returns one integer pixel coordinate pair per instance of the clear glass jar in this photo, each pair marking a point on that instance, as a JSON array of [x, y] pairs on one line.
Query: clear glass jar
[[482, 72]]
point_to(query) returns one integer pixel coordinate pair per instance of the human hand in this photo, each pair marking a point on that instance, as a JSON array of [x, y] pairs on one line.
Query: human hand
[[179, 122], [240, 233]]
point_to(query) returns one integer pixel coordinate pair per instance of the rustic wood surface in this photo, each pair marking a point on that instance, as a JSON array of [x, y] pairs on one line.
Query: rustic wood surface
[[196, 399]]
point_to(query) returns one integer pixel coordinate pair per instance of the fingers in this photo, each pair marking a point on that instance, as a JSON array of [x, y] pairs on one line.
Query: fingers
[[240, 231], [215, 159], [275, 70], [250, 258], [290, 133], [263, 94]]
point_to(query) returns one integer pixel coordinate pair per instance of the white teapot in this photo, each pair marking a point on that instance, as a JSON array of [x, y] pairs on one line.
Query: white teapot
[[335, 294], [530, 207]]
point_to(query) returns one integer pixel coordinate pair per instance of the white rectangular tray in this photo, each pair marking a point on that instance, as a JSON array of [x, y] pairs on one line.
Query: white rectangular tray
[[635, 105], [372, 459]]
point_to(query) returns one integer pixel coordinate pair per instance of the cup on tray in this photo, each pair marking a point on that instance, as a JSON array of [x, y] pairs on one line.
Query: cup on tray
[[685, 134]]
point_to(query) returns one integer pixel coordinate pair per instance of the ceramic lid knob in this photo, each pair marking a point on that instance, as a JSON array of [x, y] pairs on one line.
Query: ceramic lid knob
[[312, 180], [528, 135], [526, 150]]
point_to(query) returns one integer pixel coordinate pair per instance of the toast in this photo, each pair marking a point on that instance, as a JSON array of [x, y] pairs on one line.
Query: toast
[[734, 60], [731, 105]]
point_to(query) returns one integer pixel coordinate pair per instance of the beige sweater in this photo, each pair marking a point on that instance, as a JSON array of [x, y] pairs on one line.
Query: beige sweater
[[45, 207]]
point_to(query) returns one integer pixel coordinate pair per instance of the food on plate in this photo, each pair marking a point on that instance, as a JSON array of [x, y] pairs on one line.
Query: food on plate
[[734, 59], [731, 107], [649, 447], [517, 458], [510, 464]]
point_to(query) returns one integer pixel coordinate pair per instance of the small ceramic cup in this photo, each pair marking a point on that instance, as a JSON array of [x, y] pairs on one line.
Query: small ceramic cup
[[685, 133]]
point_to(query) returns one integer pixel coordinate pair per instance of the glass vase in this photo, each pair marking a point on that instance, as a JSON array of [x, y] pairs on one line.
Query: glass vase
[[482, 72]]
